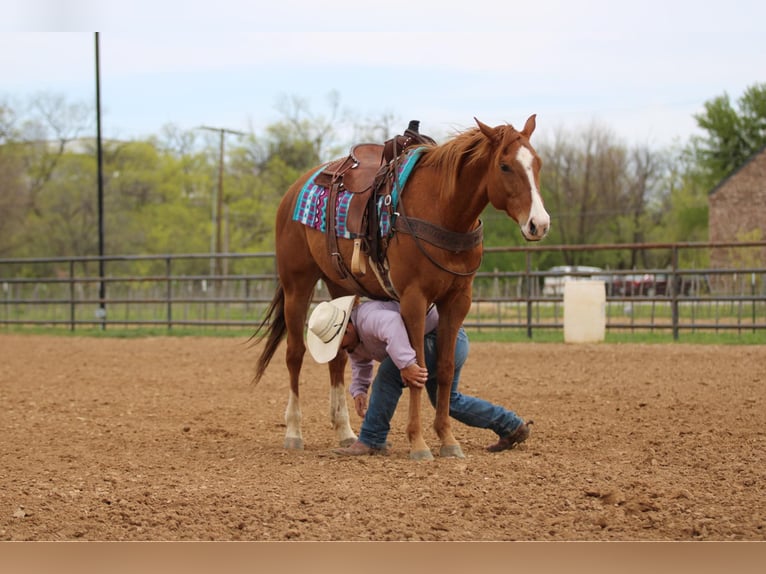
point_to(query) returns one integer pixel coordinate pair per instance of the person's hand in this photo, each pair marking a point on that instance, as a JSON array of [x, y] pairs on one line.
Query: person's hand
[[360, 404], [414, 376]]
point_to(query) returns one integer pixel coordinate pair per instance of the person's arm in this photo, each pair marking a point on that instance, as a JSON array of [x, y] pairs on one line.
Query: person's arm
[[388, 326], [361, 379], [389, 332]]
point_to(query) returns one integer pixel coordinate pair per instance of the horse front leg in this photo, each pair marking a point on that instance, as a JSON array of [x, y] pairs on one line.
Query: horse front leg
[[413, 314], [418, 448], [451, 314], [445, 371], [339, 418]]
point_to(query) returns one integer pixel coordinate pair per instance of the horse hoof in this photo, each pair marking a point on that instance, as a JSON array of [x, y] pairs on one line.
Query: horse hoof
[[451, 451], [347, 442], [293, 443], [421, 455]]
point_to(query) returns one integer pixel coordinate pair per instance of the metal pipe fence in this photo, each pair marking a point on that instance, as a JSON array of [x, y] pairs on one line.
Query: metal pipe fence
[[171, 291]]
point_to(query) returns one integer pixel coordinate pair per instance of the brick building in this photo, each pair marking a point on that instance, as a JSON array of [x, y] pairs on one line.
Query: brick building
[[737, 212]]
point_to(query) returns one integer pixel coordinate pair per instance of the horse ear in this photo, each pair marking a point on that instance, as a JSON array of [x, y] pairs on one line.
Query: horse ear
[[486, 130], [529, 127]]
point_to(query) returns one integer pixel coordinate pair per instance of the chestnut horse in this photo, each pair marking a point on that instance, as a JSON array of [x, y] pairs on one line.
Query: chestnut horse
[[449, 186]]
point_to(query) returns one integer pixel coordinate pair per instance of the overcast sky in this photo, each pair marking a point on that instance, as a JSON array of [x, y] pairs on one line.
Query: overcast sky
[[641, 69]]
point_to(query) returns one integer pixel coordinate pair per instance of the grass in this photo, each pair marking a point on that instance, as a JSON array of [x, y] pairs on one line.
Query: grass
[[642, 337], [507, 335], [121, 332], [631, 322]]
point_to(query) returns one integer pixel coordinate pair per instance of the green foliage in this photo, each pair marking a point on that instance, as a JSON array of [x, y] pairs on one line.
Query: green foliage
[[598, 191], [733, 135], [160, 193]]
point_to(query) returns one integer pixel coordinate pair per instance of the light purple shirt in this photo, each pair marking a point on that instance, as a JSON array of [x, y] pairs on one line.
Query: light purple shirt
[[382, 334]]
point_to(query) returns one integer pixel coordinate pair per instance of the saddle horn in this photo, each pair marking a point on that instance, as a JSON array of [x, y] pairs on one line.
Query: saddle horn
[[413, 131]]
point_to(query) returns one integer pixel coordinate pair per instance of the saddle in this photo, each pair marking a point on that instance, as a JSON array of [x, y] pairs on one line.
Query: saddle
[[367, 173]]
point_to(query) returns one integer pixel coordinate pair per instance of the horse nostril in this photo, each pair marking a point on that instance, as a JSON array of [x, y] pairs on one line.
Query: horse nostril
[[538, 230]]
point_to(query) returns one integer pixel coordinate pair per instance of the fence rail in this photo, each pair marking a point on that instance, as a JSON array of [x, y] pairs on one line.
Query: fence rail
[[183, 291]]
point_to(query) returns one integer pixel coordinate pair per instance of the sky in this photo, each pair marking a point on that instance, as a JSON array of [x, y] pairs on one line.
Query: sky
[[639, 69]]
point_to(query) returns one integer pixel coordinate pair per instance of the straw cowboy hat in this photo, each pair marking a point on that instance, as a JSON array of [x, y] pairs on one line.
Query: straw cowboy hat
[[327, 325]]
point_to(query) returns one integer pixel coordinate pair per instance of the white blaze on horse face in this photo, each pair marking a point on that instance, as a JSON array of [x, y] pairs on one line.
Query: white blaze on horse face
[[537, 224]]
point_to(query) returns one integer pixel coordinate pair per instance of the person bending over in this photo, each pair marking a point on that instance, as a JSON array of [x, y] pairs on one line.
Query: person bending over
[[371, 331]]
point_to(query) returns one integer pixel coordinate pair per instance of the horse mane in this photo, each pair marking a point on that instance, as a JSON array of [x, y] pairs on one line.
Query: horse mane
[[466, 148]]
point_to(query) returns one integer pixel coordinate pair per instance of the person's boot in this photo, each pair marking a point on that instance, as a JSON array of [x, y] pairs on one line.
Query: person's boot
[[511, 439], [359, 449]]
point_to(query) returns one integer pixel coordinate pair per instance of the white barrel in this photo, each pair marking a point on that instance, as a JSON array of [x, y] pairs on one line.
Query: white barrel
[[584, 311]]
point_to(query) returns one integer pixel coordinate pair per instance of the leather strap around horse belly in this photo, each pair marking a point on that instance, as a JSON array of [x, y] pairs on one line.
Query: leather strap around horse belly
[[440, 237]]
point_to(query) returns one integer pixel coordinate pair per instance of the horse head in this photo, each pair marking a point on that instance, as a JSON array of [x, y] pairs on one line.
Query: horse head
[[514, 178]]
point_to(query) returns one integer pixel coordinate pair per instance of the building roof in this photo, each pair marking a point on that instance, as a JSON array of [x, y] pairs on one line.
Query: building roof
[[726, 179]]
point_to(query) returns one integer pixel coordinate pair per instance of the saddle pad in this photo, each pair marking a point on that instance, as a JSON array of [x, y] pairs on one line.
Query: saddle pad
[[311, 206]]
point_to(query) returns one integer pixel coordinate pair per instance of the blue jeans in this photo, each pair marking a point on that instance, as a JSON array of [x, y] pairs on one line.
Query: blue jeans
[[387, 389]]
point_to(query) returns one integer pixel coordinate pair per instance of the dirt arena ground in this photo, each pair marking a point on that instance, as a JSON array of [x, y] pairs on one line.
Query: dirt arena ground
[[166, 439]]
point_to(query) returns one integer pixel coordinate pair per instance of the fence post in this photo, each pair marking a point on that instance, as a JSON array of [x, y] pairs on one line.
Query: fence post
[[168, 293], [673, 291], [71, 295], [528, 270], [752, 294]]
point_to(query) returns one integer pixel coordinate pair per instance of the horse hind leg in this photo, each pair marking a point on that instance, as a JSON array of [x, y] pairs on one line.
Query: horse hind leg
[[295, 313], [339, 418], [338, 407], [293, 435]]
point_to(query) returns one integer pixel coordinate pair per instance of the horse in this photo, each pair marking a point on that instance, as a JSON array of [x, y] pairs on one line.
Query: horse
[[448, 189]]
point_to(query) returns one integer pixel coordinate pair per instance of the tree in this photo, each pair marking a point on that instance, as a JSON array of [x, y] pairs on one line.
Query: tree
[[12, 204], [599, 191], [52, 124], [66, 207], [685, 212], [33, 140], [316, 133], [733, 135]]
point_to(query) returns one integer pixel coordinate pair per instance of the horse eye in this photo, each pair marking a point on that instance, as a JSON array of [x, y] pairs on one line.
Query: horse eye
[[505, 167]]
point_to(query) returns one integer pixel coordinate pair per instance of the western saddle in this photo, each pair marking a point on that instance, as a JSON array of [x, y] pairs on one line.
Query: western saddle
[[369, 175]]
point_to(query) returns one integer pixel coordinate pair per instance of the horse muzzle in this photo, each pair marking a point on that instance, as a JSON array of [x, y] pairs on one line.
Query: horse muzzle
[[536, 228]]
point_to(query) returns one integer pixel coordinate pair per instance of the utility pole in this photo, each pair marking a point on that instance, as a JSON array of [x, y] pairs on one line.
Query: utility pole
[[101, 312], [219, 196]]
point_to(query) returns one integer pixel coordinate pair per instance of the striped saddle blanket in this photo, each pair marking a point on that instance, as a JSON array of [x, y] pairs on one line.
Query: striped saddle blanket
[[311, 207]]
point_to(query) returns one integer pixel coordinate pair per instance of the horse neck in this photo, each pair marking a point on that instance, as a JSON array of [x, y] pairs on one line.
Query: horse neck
[[458, 170], [464, 198]]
